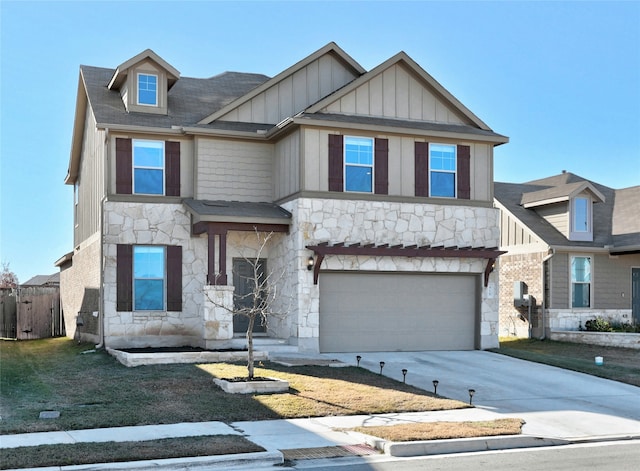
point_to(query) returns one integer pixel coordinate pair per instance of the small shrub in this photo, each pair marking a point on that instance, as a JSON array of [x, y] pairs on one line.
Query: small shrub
[[597, 325], [626, 327]]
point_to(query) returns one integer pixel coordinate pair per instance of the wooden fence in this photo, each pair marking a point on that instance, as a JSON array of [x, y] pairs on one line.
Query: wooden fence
[[31, 313]]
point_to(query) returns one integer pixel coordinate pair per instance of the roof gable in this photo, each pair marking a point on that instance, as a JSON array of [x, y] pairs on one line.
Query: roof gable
[[399, 88], [121, 72], [560, 193], [294, 89]]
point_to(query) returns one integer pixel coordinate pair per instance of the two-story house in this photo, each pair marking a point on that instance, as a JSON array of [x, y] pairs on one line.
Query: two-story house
[[574, 245], [377, 186]]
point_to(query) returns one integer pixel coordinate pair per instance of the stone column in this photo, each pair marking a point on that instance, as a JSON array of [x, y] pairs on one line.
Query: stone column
[[218, 317]]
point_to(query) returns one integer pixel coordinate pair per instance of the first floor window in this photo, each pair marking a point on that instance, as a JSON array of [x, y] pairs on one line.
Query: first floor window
[[442, 171], [149, 277], [147, 89], [358, 164], [148, 167], [581, 282]]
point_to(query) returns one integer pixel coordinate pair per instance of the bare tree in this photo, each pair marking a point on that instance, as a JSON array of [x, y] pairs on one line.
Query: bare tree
[[8, 279], [264, 300]]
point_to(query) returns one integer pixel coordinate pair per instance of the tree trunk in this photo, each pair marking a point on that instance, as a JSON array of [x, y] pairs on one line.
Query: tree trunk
[[250, 347]]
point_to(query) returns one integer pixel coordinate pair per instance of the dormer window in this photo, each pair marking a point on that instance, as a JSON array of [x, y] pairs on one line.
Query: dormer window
[[148, 89], [581, 219]]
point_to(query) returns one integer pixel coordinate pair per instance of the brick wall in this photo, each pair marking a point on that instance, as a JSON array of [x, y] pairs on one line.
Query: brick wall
[[520, 267]]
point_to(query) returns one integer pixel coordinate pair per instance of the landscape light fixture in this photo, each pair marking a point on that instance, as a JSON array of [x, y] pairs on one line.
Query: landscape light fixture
[[404, 375], [381, 366], [310, 263], [358, 358], [435, 386], [471, 393]]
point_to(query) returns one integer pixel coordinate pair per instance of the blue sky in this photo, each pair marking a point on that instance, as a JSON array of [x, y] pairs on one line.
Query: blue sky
[[561, 79]]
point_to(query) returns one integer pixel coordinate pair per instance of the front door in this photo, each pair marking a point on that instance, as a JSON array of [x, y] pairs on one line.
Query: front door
[[244, 283], [635, 294]]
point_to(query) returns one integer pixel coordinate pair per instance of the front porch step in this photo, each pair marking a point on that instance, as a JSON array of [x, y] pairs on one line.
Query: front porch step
[[265, 344]]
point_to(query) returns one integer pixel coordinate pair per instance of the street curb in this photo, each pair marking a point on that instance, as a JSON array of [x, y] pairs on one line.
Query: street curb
[[198, 463], [461, 445]]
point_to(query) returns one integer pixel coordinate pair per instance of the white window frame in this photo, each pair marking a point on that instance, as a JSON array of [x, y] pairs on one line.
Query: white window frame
[[572, 257], [574, 232], [148, 74], [454, 172], [372, 165], [134, 167]]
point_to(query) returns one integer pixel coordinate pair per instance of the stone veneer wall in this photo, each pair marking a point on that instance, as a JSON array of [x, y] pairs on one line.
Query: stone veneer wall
[[81, 278], [573, 319], [519, 267], [349, 221], [154, 224], [610, 339]]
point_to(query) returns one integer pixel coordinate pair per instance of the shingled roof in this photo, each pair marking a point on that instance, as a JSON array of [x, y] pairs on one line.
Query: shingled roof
[[616, 222]]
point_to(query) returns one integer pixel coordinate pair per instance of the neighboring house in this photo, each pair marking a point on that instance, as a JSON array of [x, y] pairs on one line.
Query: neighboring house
[[576, 246], [377, 184], [43, 280]]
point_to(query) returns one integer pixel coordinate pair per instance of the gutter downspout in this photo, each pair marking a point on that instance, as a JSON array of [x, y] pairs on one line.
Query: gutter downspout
[[552, 252], [102, 202]]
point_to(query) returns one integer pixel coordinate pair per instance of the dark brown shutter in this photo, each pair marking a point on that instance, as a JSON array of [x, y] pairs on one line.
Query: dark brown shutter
[[422, 168], [174, 278], [124, 278], [381, 160], [172, 164], [123, 166], [464, 172], [336, 149]]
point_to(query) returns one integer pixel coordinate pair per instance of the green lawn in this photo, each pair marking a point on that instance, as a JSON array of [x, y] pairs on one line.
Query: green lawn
[[620, 364]]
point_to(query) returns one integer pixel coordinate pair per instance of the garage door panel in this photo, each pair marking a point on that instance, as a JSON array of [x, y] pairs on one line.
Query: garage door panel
[[395, 311]]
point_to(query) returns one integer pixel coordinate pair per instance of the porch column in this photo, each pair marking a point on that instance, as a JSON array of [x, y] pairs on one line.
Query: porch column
[[211, 256]]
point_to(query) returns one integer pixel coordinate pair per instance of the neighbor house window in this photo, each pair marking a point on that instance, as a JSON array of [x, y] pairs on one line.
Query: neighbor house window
[[442, 170], [148, 167], [358, 164], [581, 276], [581, 228], [147, 89], [148, 278]]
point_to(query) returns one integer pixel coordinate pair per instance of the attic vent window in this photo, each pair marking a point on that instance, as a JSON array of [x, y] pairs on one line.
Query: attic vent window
[[148, 89]]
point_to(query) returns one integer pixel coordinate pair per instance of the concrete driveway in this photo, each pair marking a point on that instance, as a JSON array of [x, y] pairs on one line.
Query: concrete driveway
[[553, 401]]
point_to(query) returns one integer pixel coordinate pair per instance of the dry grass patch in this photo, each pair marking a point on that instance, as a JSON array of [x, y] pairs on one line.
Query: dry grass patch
[[89, 453], [444, 430], [323, 391]]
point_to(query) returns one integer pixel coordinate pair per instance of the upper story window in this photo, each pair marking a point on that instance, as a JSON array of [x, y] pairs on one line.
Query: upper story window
[[581, 219], [580, 282], [148, 167], [148, 89], [358, 164], [442, 170]]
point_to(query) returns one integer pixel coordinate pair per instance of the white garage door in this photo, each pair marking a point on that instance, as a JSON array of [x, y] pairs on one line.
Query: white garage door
[[366, 312]]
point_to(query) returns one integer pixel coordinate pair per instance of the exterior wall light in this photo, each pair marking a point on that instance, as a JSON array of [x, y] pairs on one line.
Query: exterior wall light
[[310, 263]]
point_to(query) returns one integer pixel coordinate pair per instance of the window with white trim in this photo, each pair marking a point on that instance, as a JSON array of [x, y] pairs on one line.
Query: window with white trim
[[358, 164], [148, 89], [581, 219], [581, 279], [442, 170], [149, 278], [148, 167]]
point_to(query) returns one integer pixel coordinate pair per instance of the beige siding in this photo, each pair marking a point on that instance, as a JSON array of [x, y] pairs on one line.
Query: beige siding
[[234, 170], [560, 282], [90, 181], [396, 93], [612, 281], [556, 215], [401, 163], [286, 172], [515, 235], [294, 93]]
